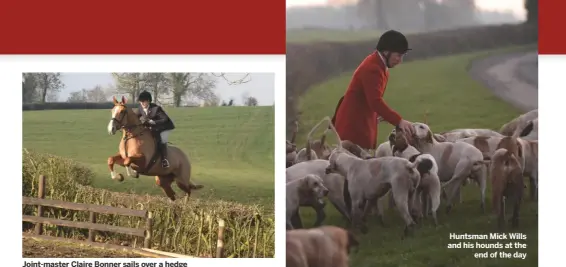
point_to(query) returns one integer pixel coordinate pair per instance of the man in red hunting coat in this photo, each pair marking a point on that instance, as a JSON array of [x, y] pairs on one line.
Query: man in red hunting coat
[[357, 111]]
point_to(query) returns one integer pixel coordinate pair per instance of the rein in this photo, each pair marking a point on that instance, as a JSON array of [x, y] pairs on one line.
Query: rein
[[129, 129]]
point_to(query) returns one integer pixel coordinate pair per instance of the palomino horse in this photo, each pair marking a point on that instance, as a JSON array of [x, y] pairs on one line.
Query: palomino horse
[[138, 153]]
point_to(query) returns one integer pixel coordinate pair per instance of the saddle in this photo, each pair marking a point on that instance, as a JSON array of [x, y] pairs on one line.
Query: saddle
[[157, 150]]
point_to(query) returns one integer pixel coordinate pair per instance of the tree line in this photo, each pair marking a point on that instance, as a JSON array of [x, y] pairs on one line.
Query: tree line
[[427, 15], [175, 89]]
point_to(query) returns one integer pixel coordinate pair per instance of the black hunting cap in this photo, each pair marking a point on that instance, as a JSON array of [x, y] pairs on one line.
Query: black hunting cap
[[393, 41]]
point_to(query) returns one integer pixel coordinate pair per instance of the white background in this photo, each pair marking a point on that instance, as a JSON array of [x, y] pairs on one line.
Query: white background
[[552, 111], [552, 179], [11, 68]]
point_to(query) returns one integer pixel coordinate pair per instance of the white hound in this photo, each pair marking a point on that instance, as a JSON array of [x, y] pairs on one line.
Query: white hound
[[518, 124], [333, 182], [457, 134], [428, 192], [368, 180], [456, 162]]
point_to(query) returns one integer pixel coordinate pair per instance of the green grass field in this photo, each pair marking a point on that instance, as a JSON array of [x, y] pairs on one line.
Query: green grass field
[[231, 148], [443, 88], [329, 35]]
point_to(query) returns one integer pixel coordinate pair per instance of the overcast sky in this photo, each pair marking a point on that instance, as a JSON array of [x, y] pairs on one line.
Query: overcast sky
[[261, 85], [515, 6]]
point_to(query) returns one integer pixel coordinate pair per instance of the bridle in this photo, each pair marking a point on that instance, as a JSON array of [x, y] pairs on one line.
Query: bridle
[[128, 129]]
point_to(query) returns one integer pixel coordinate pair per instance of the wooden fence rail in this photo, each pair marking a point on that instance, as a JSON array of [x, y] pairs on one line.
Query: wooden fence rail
[[92, 226]]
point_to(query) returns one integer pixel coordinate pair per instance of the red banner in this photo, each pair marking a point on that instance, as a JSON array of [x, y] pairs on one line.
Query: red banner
[[142, 27], [552, 34]]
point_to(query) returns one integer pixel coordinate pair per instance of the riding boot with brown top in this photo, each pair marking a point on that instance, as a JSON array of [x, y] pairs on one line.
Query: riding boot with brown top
[[164, 162]]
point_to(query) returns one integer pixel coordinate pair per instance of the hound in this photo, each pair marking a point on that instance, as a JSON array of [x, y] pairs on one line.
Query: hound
[[530, 164], [320, 247], [310, 185], [530, 132], [428, 192], [355, 150], [456, 162], [313, 150], [507, 184], [305, 154], [457, 134], [368, 180], [518, 123], [385, 149], [334, 182]]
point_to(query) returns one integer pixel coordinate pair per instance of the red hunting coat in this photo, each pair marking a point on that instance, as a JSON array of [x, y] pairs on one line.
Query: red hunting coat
[[356, 114]]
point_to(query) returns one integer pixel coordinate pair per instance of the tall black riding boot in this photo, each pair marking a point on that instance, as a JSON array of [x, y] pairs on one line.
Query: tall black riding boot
[[164, 161]]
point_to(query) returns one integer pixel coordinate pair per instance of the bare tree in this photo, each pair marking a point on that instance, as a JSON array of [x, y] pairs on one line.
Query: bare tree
[[48, 82], [191, 86], [128, 83], [251, 101], [96, 94], [78, 96], [244, 79], [213, 101], [109, 91], [157, 83]]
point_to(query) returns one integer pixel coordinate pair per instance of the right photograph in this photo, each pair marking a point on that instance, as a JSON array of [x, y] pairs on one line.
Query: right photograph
[[412, 133]]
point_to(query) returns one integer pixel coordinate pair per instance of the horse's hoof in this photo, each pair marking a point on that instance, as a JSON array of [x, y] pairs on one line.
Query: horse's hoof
[[136, 175]]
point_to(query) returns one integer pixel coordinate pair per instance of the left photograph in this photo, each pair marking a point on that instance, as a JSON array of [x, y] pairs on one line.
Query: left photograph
[[148, 165]]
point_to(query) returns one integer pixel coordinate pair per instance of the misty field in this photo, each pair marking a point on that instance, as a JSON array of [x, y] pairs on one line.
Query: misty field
[[442, 88], [230, 148]]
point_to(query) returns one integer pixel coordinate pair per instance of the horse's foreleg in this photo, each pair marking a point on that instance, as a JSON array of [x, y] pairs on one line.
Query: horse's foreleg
[[165, 183], [116, 159], [139, 160]]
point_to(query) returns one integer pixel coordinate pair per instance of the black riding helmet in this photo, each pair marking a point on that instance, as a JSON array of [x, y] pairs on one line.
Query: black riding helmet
[[393, 41], [144, 96]]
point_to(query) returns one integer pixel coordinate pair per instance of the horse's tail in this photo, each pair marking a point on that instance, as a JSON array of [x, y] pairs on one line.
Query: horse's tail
[[195, 186], [188, 178]]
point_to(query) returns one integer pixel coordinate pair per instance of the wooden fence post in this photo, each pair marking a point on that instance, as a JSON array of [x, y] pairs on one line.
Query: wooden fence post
[[149, 230], [41, 195], [220, 241], [92, 233]]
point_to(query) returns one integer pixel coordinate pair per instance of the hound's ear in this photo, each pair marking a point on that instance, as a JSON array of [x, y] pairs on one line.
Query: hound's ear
[[392, 136], [114, 100], [527, 130], [429, 137], [123, 100]]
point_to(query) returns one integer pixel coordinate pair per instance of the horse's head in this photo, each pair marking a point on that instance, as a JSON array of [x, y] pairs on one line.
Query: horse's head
[[121, 116]]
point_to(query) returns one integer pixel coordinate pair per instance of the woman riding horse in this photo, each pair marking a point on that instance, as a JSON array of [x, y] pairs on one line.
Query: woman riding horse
[[161, 125]]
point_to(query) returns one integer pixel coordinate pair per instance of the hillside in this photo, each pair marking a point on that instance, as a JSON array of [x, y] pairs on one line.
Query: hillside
[[230, 148], [443, 88]]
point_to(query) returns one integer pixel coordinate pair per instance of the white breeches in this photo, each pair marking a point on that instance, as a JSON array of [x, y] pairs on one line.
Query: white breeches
[[165, 136]]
